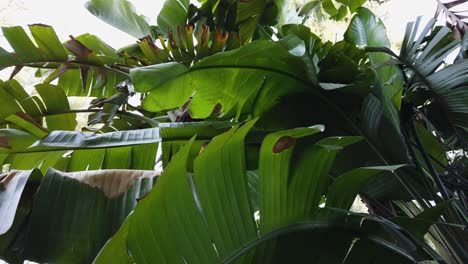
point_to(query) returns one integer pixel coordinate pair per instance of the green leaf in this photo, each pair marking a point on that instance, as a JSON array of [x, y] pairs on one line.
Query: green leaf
[[274, 169], [366, 30], [30, 104], [159, 212], [228, 190], [8, 249], [248, 17], [120, 14], [13, 140], [245, 80], [343, 190], [352, 4], [99, 47], [11, 188], [329, 7], [223, 227], [51, 54], [8, 103], [74, 214], [56, 102], [48, 42], [25, 121], [115, 250], [173, 14], [21, 43], [77, 140], [159, 74], [424, 55], [433, 148], [16, 141], [420, 224]]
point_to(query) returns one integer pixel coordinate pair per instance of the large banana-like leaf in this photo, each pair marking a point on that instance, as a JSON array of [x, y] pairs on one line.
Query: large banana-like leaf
[[12, 186], [75, 151], [120, 14], [249, 14], [216, 224], [366, 30], [173, 14], [73, 214], [245, 80]]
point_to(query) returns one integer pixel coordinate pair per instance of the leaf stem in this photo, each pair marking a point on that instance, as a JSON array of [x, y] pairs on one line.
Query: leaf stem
[[145, 119], [40, 64]]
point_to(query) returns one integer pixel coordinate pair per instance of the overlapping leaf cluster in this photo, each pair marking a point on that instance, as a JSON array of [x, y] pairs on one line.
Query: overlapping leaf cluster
[[266, 133]]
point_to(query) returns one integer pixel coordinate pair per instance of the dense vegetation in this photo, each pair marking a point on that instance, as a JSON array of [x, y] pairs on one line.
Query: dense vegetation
[[266, 135]]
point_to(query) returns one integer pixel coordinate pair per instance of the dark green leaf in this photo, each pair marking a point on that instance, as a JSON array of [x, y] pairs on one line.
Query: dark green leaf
[[74, 214], [11, 188]]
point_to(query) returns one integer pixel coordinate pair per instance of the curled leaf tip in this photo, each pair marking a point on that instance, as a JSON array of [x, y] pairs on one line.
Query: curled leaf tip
[[221, 36], [171, 40], [189, 28], [204, 35]]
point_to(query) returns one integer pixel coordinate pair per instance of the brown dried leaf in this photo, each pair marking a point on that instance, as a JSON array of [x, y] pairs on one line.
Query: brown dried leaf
[[217, 109], [454, 3], [15, 71], [4, 142], [84, 76], [77, 48], [283, 143], [111, 182], [7, 178], [57, 73], [29, 118]]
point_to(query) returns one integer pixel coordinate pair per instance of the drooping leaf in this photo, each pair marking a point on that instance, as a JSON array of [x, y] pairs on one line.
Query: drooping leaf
[[248, 16], [421, 223], [74, 214], [343, 190], [115, 249], [56, 102], [159, 74], [214, 197], [120, 14], [28, 123], [11, 188], [255, 76], [366, 30], [166, 131], [48, 42], [173, 14], [21, 44]]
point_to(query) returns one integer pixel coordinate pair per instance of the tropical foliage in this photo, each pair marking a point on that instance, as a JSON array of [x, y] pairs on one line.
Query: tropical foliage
[[266, 135]]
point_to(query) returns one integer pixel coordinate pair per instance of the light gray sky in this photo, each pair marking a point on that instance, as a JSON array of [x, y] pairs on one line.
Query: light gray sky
[[69, 17]]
